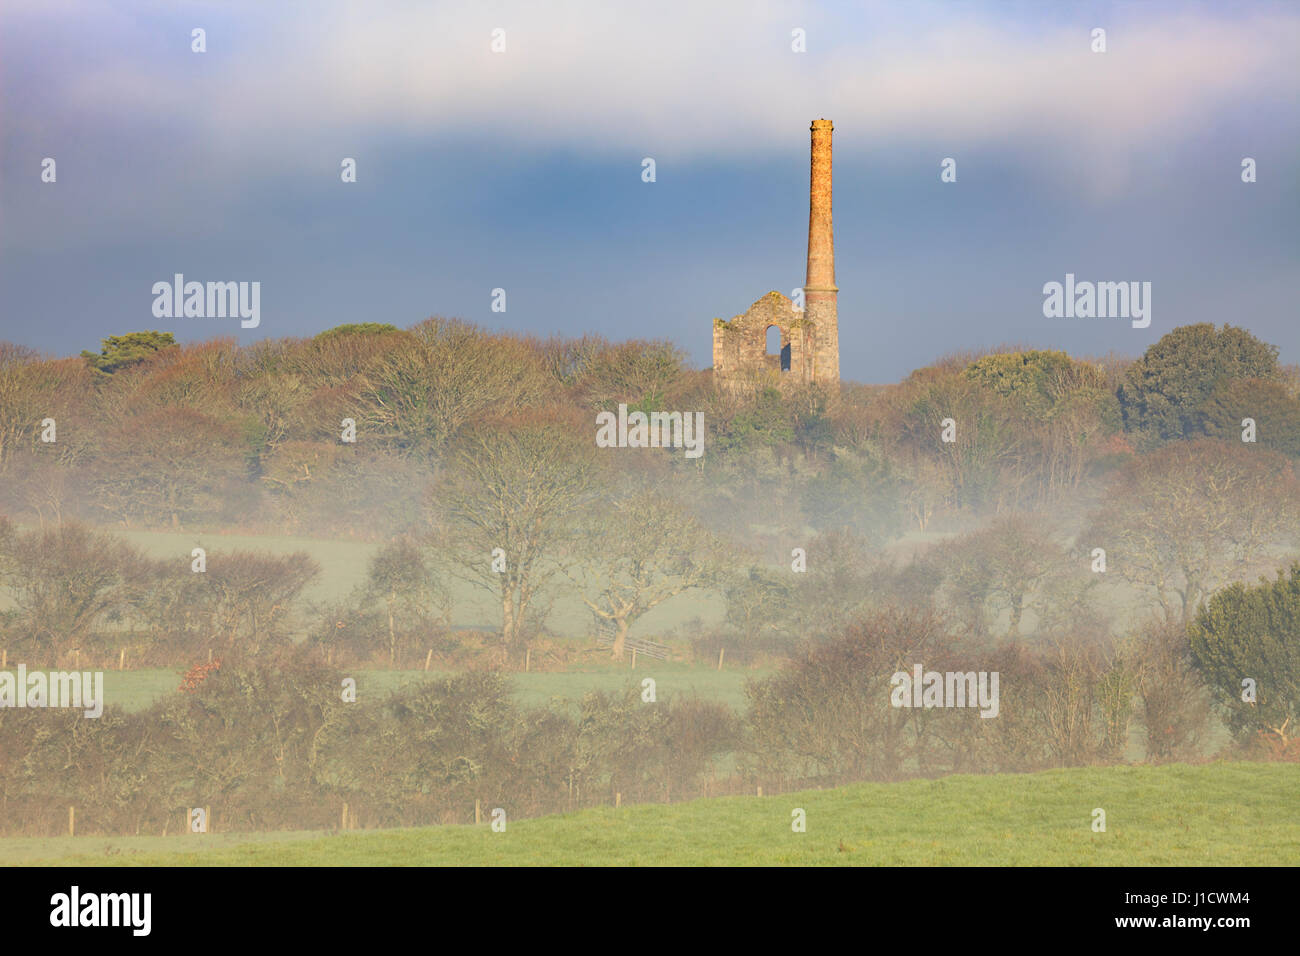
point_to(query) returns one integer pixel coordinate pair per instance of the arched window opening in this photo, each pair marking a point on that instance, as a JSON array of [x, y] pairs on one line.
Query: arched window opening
[[778, 354]]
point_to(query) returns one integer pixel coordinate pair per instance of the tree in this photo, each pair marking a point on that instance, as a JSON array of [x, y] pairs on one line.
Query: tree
[[640, 549], [828, 715], [762, 422], [45, 485], [170, 464], [1253, 634], [278, 402], [1066, 408], [1164, 391], [1171, 693], [1274, 410], [838, 584], [124, 351], [639, 373], [857, 493], [327, 361], [250, 595], [21, 411], [358, 328], [984, 464], [570, 361], [760, 601], [1000, 567], [65, 581], [1187, 517], [1082, 693], [293, 469], [440, 376], [1035, 379], [503, 509], [32, 390], [412, 594]]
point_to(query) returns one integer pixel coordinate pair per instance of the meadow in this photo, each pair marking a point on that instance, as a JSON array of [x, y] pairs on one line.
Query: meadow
[[344, 563], [1220, 814]]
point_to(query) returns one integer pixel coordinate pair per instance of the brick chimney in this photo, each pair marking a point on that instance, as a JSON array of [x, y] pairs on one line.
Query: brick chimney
[[819, 288]]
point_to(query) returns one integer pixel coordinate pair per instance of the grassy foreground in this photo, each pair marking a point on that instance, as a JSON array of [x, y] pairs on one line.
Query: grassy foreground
[[1216, 815]]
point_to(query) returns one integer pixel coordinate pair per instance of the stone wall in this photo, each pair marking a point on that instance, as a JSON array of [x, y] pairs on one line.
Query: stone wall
[[740, 345]]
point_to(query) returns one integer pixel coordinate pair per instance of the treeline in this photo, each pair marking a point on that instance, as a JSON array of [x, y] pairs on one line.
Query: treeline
[[275, 741], [73, 589], [475, 459], [529, 520], [149, 433], [270, 743]]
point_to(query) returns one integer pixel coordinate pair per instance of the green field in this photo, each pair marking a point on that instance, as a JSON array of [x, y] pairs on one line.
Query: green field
[[136, 690], [1239, 814]]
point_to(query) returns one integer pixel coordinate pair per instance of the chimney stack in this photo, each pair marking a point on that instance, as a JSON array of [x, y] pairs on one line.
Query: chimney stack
[[819, 288]]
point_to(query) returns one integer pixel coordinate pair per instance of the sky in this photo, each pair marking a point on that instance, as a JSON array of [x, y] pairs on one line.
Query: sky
[[522, 169]]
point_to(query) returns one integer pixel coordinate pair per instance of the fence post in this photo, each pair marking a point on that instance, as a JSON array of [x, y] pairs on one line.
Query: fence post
[[428, 657], [343, 823], [528, 659], [121, 658], [4, 657], [207, 818], [478, 812], [618, 799], [760, 790], [721, 651], [72, 821], [634, 658]]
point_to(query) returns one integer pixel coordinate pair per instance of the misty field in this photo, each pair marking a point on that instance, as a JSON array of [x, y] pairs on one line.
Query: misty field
[[343, 566], [1121, 584], [1223, 814]]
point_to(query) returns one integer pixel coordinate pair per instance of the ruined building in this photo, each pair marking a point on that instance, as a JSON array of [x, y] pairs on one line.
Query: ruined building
[[810, 340]]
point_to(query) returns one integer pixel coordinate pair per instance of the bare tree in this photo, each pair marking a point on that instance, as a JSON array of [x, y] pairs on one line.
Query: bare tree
[[504, 507], [65, 581], [640, 549], [1192, 516], [442, 375], [168, 463], [1001, 567]]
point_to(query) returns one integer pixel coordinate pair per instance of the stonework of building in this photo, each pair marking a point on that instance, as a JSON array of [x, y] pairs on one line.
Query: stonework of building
[[810, 340]]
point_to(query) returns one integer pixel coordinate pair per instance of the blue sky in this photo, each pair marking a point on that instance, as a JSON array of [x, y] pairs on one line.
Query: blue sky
[[522, 170]]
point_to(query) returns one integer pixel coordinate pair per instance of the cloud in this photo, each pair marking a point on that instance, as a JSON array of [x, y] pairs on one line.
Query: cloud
[[285, 90], [686, 79]]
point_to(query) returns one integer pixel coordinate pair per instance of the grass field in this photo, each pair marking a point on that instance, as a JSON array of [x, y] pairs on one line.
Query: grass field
[[1210, 815], [136, 690]]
